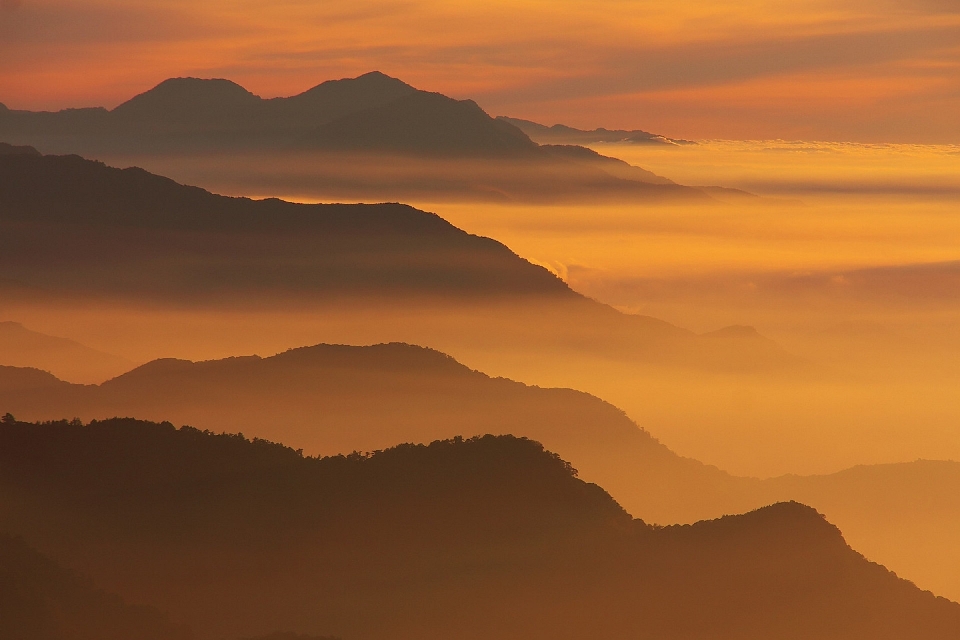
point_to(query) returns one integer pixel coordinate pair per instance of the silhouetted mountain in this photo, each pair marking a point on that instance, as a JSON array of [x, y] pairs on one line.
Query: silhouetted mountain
[[331, 398], [613, 166], [462, 538], [373, 112], [290, 636], [335, 99], [69, 360], [427, 123], [562, 134], [12, 150], [78, 228], [40, 600], [375, 116], [186, 101], [76, 221]]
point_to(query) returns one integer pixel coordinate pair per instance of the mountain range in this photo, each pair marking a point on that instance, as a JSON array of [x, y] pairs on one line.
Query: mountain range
[[68, 359], [328, 399], [358, 134], [469, 538], [75, 229], [564, 135]]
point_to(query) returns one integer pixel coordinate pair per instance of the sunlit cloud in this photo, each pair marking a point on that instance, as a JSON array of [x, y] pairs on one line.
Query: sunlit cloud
[[606, 63]]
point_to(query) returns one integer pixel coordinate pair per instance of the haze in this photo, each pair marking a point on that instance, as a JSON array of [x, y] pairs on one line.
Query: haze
[[515, 320]]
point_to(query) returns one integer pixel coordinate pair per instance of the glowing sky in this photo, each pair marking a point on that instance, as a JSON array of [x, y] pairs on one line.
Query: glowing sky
[[880, 70]]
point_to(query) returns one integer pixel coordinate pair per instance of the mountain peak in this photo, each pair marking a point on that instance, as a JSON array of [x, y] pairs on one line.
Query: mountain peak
[[179, 97], [15, 150], [335, 99], [375, 80]]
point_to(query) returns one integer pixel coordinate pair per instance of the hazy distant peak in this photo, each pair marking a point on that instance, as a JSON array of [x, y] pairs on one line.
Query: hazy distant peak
[[19, 379], [159, 366], [380, 79], [336, 98], [183, 96], [372, 79], [383, 356]]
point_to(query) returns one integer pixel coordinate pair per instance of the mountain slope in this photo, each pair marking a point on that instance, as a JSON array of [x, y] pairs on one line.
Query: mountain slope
[[82, 230], [562, 134], [70, 220], [371, 112], [357, 132], [331, 398], [67, 359], [467, 538], [42, 601], [428, 123]]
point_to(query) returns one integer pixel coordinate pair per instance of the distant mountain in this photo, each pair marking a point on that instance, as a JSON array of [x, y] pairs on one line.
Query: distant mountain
[[374, 119], [613, 166], [562, 134], [78, 229], [40, 600], [69, 360], [372, 112], [427, 123], [475, 538]]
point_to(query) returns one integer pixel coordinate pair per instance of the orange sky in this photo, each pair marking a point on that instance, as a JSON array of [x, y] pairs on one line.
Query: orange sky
[[859, 70]]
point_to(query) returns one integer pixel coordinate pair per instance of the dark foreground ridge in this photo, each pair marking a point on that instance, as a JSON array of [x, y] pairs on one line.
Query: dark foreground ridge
[[331, 398], [470, 538]]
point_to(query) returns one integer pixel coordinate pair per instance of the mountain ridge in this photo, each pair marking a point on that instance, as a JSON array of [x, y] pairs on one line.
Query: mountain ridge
[[373, 115], [79, 228], [405, 542], [333, 398], [69, 359]]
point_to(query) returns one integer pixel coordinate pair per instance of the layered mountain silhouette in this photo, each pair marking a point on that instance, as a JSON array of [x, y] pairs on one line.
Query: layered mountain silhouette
[[562, 134], [40, 600], [360, 127], [332, 398], [78, 229], [470, 538], [68, 359], [327, 399]]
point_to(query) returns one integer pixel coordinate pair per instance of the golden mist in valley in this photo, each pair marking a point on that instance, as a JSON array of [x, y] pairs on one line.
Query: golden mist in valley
[[847, 261], [416, 320]]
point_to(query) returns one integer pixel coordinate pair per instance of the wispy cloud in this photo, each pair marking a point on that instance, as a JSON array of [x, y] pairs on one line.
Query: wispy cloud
[[563, 60]]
